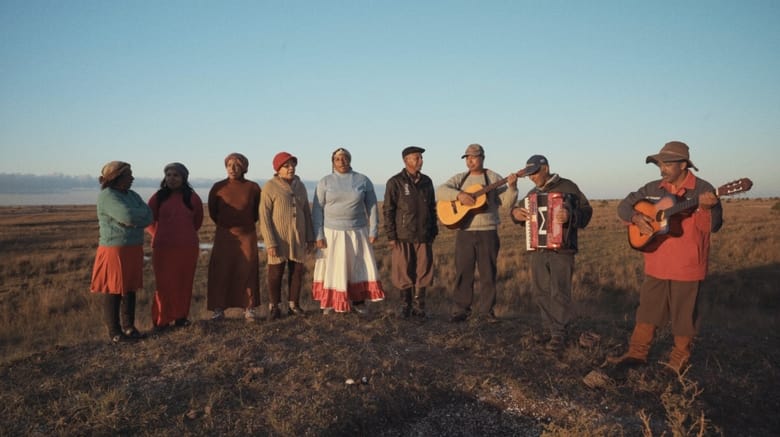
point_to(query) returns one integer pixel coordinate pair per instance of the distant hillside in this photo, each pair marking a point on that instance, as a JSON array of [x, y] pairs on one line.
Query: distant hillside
[[18, 183]]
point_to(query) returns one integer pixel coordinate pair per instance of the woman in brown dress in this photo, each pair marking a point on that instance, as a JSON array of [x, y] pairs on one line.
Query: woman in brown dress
[[233, 267]]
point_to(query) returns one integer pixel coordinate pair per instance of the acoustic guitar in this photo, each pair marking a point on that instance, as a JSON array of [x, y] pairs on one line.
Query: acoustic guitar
[[452, 212], [665, 208]]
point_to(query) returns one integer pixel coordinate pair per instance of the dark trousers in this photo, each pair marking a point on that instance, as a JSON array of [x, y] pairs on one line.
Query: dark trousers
[[551, 278], [294, 280], [475, 249], [663, 300], [118, 312]]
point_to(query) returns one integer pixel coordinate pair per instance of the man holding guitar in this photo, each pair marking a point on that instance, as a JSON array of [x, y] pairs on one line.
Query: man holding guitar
[[476, 242], [676, 262]]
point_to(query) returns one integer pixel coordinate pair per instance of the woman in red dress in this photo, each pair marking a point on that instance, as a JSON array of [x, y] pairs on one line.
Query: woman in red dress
[[178, 215]]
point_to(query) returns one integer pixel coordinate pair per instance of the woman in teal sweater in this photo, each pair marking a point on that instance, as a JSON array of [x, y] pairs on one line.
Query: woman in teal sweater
[[118, 269]]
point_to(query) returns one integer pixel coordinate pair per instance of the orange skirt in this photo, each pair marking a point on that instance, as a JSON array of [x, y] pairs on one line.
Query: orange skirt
[[118, 269]]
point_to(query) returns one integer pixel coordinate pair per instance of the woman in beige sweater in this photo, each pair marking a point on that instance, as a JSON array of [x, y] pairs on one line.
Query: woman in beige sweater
[[286, 226]]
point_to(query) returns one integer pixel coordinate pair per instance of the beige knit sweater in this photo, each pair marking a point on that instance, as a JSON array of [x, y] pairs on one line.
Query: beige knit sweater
[[285, 219]]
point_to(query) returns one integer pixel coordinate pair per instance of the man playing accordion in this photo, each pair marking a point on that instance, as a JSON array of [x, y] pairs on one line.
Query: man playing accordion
[[557, 208]]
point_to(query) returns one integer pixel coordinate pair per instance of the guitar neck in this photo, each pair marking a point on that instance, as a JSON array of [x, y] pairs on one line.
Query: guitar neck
[[734, 187], [682, 206], [496, 184], [490, 187]]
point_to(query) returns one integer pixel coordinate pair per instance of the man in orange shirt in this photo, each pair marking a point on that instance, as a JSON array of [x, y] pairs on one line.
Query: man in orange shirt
[[676, 262]]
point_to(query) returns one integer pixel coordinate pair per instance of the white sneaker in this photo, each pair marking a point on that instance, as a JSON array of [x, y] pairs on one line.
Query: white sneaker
[[326, 311], [219, 314]]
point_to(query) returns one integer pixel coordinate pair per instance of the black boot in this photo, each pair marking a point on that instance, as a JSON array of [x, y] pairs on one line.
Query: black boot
[[419, 303], [406, 307], [128, 317], [111, 316]]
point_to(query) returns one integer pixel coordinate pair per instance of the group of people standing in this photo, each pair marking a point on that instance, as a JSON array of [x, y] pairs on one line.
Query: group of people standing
[[342, 224]]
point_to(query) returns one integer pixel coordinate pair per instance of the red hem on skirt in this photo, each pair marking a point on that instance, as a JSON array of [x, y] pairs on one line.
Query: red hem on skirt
[[340, 300]]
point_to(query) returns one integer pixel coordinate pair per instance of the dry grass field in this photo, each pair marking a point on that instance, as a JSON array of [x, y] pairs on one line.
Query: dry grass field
[[60, 376]]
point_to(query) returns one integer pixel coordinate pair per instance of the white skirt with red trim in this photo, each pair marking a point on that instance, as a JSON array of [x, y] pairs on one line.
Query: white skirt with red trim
[[346, 271]]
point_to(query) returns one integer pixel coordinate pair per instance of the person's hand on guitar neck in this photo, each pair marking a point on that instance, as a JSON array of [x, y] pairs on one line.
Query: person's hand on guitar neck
[[707, 200]]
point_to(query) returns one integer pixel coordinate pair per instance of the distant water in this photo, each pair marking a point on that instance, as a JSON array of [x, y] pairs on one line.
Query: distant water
[[76, 196], [84, 196]]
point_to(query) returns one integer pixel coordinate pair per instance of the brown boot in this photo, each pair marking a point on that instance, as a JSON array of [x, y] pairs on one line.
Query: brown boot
[[638, 346], [680, 354]]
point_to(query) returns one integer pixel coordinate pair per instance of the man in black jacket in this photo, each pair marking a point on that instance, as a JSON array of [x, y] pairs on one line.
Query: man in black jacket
[[410, 224], [552, 269]]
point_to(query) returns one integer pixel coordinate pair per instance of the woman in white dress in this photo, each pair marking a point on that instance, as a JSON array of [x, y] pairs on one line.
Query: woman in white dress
[[346, 221]]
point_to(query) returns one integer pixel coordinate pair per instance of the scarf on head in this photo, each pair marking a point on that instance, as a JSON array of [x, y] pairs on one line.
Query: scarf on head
[[111, 171], [180, 168], [241, 160]]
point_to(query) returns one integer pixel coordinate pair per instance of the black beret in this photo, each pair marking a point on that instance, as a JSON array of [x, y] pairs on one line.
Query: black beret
[[411, 149]]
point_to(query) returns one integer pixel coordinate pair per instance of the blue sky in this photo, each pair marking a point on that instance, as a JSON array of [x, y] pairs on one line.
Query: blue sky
[[595, 86]]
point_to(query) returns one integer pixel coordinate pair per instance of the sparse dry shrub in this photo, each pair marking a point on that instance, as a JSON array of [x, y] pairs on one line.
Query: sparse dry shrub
[[684, 415]]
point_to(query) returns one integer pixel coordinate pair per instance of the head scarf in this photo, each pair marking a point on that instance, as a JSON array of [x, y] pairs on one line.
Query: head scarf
[[180, 168], [111, 171], [241, 160], [341, 151]]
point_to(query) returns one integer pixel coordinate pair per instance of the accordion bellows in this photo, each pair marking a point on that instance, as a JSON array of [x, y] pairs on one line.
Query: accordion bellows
[[541, 231]]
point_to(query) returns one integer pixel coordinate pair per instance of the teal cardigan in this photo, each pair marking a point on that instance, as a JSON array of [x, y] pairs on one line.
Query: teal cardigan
[[122, 217]]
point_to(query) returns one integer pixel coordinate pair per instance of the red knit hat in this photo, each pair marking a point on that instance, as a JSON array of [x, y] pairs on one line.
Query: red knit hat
[[281, 158]]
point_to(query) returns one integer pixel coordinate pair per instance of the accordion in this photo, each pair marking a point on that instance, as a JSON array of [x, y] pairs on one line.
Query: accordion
[[541, 231]]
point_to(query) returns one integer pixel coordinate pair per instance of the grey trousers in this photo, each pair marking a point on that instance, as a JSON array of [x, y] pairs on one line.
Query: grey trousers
[[551, 277]]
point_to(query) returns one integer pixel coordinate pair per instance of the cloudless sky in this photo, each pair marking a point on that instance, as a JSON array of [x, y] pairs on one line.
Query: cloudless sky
[[596, 86]]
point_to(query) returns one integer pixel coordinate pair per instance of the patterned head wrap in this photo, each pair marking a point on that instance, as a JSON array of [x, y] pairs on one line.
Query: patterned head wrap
[[111, 171], [180, 168], [241, 160]]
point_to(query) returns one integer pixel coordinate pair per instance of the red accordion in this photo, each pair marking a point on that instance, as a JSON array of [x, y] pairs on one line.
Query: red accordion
[[541, 231]]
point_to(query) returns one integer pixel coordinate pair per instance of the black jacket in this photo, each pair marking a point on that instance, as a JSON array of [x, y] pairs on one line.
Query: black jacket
[[409, 209]]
